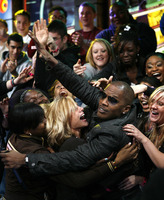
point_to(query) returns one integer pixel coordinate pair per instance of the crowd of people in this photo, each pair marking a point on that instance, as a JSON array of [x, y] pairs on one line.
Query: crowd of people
[[82, 115]]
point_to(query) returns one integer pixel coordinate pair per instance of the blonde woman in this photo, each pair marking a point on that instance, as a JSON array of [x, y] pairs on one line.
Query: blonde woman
[[155, 144], [99, 55], [64, 123], [64, 119]]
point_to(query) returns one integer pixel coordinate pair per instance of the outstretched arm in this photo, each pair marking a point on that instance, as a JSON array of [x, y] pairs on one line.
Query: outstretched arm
[[75, 84], [155, 155]]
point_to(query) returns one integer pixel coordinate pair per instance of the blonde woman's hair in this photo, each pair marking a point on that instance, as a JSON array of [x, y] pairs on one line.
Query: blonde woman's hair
[[108, 46], [157, 130], [58, 114]]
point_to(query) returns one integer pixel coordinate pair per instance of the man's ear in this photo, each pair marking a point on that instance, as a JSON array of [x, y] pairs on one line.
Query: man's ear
[[126, 109], [65, 39]]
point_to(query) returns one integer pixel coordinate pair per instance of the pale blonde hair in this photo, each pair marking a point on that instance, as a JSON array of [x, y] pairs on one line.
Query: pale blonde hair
[[108, 46], [158, 131], [58, 114]]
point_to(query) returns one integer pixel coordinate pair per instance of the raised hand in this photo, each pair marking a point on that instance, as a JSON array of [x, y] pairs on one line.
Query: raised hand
[[131, 130], [102, 82], [77, 39], [24, 76], [40, 47], [41, 31], [4, 65], [78, 68]]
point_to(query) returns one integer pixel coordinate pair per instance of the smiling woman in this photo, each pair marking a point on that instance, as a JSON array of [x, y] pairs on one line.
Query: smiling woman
[[127, 47], [128, 64], [155, 145], [99, 54], [154, 64]]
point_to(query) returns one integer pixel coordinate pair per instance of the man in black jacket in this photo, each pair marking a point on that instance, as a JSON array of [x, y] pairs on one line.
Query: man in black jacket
[[112, 109]]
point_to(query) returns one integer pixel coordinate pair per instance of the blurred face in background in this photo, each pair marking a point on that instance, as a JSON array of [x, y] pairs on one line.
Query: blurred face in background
[[86, 15], [22, 24], [57, 14], [118, 15], [3, 31]]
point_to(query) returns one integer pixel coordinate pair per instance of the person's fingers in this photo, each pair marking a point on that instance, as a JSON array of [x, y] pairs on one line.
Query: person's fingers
[[123, 182], [79, 62], [41, 24], [95, 83], [45, 24], [29, 78], [16, 62], [127, 146], [110, 79], [36, 26], [6, 60]]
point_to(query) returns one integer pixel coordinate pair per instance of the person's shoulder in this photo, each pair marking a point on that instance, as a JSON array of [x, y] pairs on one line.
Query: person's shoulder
[[105, 33], [97, 29]]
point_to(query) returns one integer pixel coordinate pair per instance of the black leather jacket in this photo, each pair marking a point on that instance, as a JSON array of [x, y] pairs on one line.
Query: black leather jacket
[[103, 139]]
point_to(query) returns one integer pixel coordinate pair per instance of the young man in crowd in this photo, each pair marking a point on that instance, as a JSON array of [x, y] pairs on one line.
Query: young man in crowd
[[14, 60], [83, 37], [57, 13], [22, 25]]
